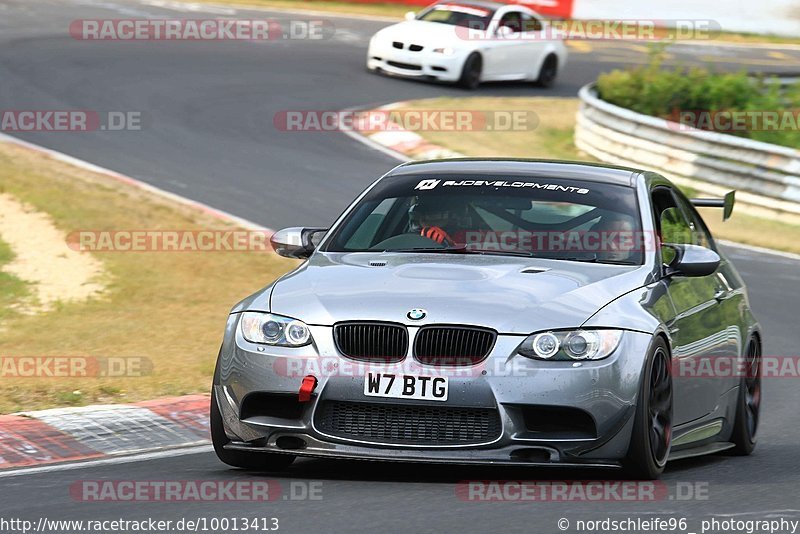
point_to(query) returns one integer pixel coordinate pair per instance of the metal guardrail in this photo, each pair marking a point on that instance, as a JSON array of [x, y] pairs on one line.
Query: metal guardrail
[[764, 175]]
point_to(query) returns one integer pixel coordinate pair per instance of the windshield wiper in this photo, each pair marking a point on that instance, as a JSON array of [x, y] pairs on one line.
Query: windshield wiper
[[451, 250], [585, 259], [618, 262], [589, 259], [481, 251], [465, 250], [524, 253]]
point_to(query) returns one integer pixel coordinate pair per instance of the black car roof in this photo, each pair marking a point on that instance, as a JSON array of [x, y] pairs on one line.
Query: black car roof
[[575, 170]]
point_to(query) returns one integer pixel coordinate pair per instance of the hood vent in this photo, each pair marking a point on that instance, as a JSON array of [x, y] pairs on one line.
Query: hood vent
[[534, 270]]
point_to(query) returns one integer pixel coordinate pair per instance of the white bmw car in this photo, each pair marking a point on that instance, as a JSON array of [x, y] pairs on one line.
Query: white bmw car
[[469, 43]]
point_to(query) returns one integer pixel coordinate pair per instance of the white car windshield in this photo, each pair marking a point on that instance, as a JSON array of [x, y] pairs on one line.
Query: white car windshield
[[470, 16]]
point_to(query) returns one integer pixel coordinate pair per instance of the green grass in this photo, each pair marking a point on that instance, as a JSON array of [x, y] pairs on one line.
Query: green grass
[[167, 307], [549, 135], [12, 289]]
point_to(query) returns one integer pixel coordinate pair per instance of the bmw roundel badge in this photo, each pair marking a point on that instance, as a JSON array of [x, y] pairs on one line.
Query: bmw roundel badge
[[417, 314]]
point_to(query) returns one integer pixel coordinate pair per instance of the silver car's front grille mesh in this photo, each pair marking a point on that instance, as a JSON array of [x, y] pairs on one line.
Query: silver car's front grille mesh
[[408, 424], [373, 342], [453, 345]]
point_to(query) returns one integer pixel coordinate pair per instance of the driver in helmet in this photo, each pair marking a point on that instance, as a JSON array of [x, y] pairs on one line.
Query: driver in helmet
[[615, 233], [432, 217]]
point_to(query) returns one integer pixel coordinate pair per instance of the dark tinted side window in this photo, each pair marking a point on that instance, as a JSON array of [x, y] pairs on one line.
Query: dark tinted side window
[[671, 224], [531, 24], [700, 234], [512, 20]]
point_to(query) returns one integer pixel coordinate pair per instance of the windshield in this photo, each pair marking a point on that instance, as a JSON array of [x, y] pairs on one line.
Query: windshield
[[474, 17], [537, 217]]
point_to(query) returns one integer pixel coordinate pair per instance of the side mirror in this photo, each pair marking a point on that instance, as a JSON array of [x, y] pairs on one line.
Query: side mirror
[[692, 260], [410, 15], [297, 243]]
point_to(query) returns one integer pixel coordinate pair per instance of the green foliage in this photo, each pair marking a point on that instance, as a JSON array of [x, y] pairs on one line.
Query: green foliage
[[12, 289], [660, 91]]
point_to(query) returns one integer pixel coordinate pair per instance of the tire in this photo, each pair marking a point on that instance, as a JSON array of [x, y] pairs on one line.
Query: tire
[[650, 443], [261, 461], [748, 406], [471, 72], [548, 73]]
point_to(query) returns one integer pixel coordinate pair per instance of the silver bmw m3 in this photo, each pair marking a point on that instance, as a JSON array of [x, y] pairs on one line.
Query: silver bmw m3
[[510, 312]]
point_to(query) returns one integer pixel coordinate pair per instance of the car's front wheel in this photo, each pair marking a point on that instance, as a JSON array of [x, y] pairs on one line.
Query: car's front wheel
[[471, 72], [748, 409], [262, 461], [652, 428]]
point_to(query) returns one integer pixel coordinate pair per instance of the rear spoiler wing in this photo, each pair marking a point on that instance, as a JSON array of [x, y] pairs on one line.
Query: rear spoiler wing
[[725, 203]]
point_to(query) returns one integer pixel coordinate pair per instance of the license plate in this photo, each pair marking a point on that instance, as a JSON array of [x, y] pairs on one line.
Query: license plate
[[398, 386]]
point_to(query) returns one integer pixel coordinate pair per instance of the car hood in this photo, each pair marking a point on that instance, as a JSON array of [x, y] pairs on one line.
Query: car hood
[[508, 294], [422, 33]]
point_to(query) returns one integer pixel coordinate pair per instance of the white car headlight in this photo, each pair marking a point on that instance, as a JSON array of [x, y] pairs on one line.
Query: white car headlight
[[271, 329], [446, 51], [569, 345]]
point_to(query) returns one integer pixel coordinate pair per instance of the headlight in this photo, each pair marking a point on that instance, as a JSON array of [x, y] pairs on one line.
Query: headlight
[[444, 51], [273, 329], [571, 345]]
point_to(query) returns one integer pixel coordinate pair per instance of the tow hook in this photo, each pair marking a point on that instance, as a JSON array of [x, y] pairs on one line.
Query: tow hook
[[306, 388]]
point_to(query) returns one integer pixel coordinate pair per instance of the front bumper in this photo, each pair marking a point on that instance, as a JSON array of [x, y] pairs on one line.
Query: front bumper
[[422, 64], [518, 388]]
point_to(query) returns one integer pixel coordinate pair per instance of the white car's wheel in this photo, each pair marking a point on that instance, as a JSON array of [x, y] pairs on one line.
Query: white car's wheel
[[548, 72], [471, 72]]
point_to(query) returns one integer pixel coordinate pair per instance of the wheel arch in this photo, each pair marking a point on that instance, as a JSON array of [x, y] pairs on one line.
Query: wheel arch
[[549, 52]]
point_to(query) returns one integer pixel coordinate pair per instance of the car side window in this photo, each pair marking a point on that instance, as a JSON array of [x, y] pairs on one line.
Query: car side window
[[365, 235], [671, 225], [512, 20], [531, 23], [675, 229], [700, 234]]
